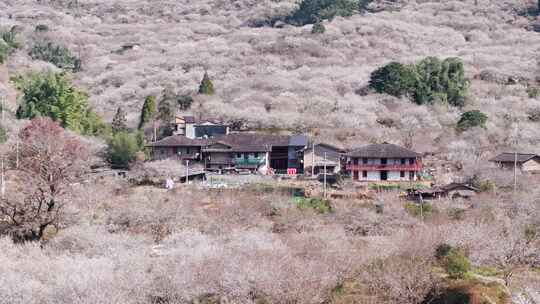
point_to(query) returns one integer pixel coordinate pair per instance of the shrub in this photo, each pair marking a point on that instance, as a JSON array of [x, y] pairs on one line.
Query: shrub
[[456, 214], [534, 115], [456, 264], [453, 260], [52, 95], [318, 28], [41, 28], [533, 92], [442, 251], [422, 209], [58, 55], [121, 149], [484, 185], [318, 204], [310, 11], [184, 102], [8, 43], [471, 119]]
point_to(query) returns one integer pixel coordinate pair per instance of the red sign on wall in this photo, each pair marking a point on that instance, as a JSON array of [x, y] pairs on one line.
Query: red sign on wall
[[291, 171]]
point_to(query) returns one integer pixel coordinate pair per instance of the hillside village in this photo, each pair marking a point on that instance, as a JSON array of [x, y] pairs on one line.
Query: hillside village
[[272, 151]]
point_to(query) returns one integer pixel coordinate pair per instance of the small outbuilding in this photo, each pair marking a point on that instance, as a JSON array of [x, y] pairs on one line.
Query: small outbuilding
[[452, 190], [526, 162]]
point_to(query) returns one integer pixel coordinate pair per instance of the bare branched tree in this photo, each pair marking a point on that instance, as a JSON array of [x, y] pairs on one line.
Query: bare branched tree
[[402, 279], [49, 161]]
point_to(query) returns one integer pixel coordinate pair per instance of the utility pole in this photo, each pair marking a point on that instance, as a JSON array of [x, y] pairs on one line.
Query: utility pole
[[516, 156], [313, 160], [515, 171], [3, 189], [187, 171], [3, 115], [155, 130], [325, 175], [17, 153]]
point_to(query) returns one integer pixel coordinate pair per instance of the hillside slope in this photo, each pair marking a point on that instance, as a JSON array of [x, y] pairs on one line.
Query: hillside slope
[[288, 78]]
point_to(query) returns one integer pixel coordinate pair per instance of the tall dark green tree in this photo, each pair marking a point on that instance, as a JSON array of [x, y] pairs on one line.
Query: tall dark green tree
[[206, 87], [122, 148], [394, 78], [148, 112], [166, 110], [119, 123], [430, 80], [52, 95], [310, 11]]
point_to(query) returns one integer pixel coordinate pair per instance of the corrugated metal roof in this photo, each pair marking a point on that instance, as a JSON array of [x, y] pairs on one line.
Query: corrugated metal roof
[[179, 141], [511, 157]]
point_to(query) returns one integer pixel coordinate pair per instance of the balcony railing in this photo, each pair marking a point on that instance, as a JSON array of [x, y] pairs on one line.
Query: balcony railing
[[393, 167], [248, 162]]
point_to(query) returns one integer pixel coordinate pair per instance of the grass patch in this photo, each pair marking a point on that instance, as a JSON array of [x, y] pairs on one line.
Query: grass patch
[[396, 186], [417, 210], [318, 204], [486, 271]]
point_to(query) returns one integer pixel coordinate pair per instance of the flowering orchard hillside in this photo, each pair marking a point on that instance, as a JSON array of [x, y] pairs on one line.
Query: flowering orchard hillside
[[85, 218], [286, 76]]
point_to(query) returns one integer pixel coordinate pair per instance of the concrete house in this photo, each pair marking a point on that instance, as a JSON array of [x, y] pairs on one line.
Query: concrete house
[[383, 162], [526, 162], [314, 158], [193, 128]]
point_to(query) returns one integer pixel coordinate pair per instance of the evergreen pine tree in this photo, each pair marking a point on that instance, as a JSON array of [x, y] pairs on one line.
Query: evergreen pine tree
[[148, 111], [206, 87], [119, 123]]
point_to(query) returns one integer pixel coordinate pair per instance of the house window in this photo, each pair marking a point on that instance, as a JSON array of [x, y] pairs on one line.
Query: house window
[[402, 174], [364, 161], [411, 175], [411, 161], [188, 151], [364, 174], [403, 161]]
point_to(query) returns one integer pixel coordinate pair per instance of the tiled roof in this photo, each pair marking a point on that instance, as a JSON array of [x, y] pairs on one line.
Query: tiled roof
[[511, 157], [179, 141], [238, 142], [383, 151], [250, 141]]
